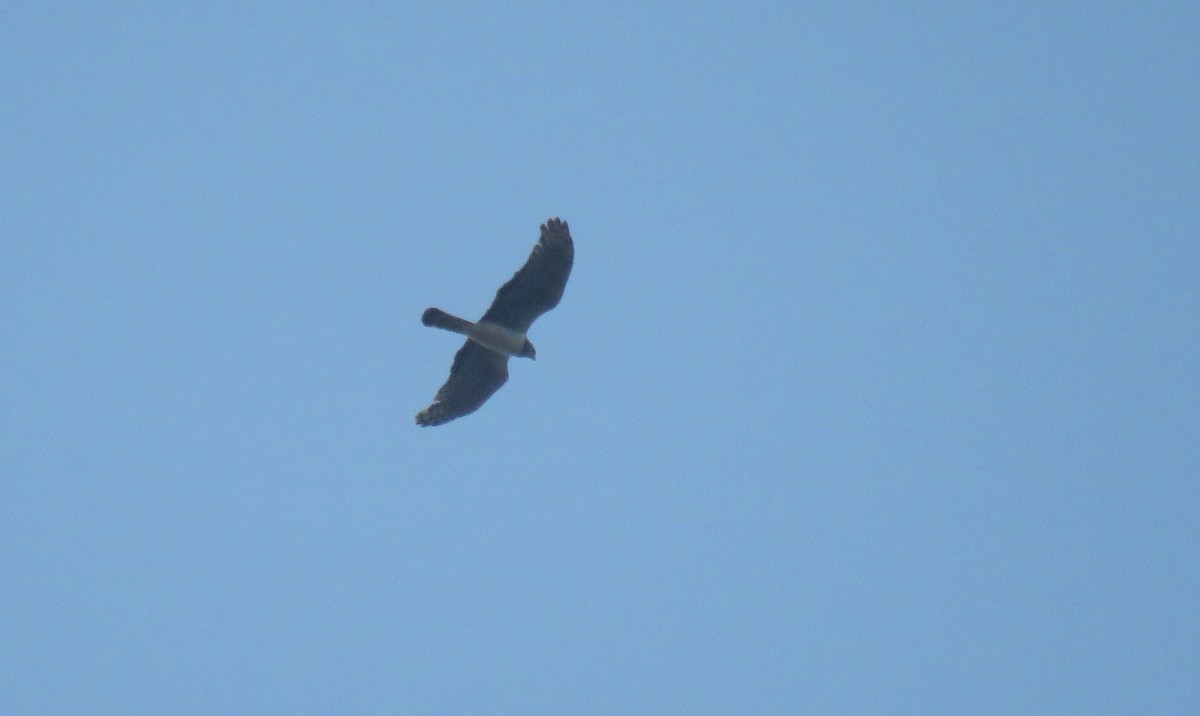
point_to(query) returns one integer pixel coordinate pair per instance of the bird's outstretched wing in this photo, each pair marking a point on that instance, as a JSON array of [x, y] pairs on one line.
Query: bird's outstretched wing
[[538, 286], [476, 374]]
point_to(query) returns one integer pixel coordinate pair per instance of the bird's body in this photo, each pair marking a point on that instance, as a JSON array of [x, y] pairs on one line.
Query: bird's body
[[486, 333], [481, 366]]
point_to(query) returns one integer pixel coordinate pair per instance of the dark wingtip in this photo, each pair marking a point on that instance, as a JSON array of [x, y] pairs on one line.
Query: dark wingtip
[[427, 316], [555, 225], [427, 418]]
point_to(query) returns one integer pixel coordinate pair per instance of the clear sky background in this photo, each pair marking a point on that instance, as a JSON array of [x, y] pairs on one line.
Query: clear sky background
[[874, 388]]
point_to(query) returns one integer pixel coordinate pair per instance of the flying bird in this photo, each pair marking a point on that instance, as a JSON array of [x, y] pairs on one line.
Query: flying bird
[[481, 366]]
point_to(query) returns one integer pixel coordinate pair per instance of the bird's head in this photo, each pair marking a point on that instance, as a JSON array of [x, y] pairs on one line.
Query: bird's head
[[528, 351]]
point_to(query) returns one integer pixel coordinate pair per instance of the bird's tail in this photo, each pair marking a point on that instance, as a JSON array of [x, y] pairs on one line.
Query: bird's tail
[[438, 318]]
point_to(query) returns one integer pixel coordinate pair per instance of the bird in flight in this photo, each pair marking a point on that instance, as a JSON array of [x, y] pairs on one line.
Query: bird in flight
[[481, 366]]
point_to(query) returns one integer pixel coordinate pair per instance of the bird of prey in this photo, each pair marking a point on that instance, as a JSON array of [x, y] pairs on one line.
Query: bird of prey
[[481, 365]]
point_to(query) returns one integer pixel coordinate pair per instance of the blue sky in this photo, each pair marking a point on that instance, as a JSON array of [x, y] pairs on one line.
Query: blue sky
[[873, 389]]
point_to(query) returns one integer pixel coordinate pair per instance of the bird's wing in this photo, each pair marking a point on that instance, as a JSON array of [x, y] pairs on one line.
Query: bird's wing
[[538, 286], [476, 374]]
